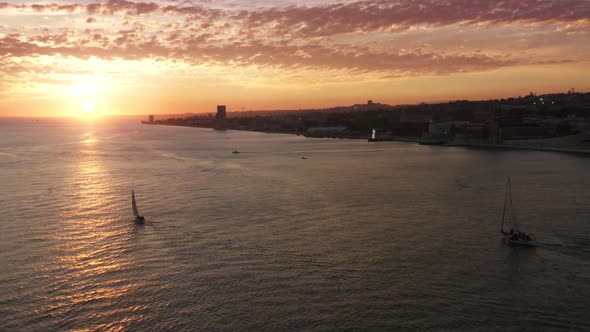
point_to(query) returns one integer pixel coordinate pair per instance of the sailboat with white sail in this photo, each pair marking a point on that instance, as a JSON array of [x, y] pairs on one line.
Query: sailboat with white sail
[[515, 235], [138, 219]]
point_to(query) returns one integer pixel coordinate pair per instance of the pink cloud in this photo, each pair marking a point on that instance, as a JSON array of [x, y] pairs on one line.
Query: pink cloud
[[110, 7], [382, 15], [128, 44], [122, 6], [280, 37], [363, 15], [68, 8]]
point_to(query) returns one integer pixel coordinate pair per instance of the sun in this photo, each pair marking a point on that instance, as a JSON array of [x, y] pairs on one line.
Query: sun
[[88, 106]]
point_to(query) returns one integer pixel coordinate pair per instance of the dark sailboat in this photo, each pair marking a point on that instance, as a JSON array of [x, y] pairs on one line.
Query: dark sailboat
[[138, 219], [515, 235]]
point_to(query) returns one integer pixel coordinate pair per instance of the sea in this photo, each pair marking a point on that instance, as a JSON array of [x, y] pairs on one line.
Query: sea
[[289, 234]]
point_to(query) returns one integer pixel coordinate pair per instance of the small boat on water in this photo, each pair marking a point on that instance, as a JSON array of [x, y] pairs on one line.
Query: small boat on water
[[138, 219], [431, 142], [235, 152], [515, 235]]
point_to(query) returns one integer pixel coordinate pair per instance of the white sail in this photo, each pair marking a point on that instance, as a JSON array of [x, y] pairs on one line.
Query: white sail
[[133, 204]]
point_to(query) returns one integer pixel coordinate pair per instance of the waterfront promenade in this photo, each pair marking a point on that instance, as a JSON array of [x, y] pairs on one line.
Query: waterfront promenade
[[578, 143]]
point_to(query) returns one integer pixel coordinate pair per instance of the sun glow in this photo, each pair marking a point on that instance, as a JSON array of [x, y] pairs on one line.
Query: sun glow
[[88, 106]]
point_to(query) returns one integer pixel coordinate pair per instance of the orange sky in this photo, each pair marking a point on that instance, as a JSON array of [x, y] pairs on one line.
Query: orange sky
[[130, 57]]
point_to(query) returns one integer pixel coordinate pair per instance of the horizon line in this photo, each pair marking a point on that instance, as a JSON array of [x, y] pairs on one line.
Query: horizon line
[[126, 115]]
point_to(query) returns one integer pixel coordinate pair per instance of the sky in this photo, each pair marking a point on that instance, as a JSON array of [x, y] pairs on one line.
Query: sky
[[63, 58]]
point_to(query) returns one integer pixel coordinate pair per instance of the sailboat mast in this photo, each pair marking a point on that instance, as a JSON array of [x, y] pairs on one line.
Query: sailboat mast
[[512, 213], [134, 204], [505, 201]]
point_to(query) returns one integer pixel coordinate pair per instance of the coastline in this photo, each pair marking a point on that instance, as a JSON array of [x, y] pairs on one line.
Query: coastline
[[524, 145], [585, 152]]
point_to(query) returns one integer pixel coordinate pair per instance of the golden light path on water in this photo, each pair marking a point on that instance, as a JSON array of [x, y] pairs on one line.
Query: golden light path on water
[[91, 248]]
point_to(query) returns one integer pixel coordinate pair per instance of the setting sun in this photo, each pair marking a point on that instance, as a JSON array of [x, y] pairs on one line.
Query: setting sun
[[88, 106]]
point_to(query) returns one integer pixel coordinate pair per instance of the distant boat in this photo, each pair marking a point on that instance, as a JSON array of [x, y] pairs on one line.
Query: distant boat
[[304, 157], [431, 142], [515, 235], [138, 219], [235, 151]]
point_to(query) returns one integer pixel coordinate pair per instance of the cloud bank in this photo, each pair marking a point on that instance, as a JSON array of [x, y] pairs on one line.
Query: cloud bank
[[331, 36]]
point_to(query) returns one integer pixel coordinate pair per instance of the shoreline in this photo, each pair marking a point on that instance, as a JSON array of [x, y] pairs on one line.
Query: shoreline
[[585, 152], [418, 140]]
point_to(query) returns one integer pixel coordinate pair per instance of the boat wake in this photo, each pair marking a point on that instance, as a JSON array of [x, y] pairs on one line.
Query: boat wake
[[571, 245]]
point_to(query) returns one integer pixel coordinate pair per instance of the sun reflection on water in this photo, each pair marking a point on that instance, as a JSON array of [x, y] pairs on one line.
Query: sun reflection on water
[[89, 141], [92, 243]]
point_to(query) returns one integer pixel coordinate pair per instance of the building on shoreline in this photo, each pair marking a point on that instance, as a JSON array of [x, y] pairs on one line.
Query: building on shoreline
[[477, 122], [221, 118]]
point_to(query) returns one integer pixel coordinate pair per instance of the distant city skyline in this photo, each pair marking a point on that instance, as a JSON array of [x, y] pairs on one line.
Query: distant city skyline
[[75, 58]]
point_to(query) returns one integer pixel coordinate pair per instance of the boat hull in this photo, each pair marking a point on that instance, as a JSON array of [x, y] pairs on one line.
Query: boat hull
[[528, 243], [431, 142]]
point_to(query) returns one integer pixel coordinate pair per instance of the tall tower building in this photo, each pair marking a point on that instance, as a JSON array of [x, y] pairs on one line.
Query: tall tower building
[[220, 118], [221, 114]]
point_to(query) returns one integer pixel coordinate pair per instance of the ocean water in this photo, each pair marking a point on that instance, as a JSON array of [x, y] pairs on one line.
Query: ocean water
[[358, 236]]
